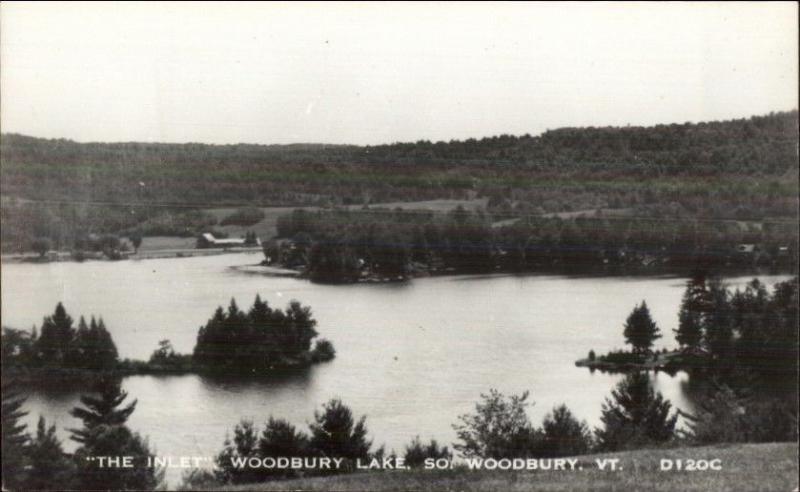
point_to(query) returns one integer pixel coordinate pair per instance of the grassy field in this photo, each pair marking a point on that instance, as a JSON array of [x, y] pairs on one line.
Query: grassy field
[[266, 228], [745, 467]]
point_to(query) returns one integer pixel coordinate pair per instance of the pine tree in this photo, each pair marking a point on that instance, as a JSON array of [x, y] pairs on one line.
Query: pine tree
[[55, 338], [718, 329], [14, 437], [104, 433], [694, 309], [116, 441], [564, 435], [50, 468], [635, 416], [104, 349], [640, 329], [335, 432], [102, 409], [80, 349]]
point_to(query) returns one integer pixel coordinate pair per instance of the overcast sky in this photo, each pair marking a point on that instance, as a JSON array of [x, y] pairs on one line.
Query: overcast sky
[[374, 73]]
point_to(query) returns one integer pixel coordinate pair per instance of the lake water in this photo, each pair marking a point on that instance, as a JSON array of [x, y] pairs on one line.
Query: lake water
[[412, 356]]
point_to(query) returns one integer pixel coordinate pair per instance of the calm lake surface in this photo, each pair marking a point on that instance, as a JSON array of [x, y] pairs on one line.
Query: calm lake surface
[[412, 356]]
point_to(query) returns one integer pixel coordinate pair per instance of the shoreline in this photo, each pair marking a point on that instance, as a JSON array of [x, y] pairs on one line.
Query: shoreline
[[66, 257]]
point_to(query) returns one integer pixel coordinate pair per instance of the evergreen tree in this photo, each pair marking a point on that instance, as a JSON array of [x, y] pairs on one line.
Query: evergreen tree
[[280, 438], [301, 325], [104, 433], [116, 441], [753, 322], [718, 329], [694, 309], [635, 416], [564, 435], [80, 350], [209, 349], [14, 438], [640, 329], [335, 433], [102, 408], [49, 467], [104, 351], [726, 416], [56, 337]]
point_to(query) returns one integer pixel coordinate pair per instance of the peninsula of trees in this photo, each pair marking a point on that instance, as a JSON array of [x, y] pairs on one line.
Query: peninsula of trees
[[232, 341], [720, 332]]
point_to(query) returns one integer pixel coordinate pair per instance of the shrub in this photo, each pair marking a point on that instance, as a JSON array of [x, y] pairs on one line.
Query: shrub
[[623, 357], [323, 351], [635, 416], [42, 245], [564, 435], [499, 428], [416, 453]]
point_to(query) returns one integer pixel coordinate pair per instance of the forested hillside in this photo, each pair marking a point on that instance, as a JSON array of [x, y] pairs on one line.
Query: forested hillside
[[295, 174], [741, 169]]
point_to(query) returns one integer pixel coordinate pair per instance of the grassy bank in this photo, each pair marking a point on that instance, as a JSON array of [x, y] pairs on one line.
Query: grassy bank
[[745, 467]]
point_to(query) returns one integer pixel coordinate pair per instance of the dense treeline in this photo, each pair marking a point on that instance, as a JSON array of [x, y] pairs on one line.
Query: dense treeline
[[744, 169], [346, 245], [59, 345], [750, 329], [264, 338]]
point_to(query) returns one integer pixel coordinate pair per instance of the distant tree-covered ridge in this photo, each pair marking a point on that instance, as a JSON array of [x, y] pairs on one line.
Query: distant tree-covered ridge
[[742, 169], [102, 171], [259, 340]]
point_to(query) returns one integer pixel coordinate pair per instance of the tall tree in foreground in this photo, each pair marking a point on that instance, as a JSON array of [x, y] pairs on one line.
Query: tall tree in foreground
[[104, 433], [635, 416], [640, 329], [14, 438], [103, 408], [335, 432]]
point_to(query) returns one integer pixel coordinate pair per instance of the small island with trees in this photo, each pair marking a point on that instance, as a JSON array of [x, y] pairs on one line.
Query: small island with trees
[[255, 342]]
